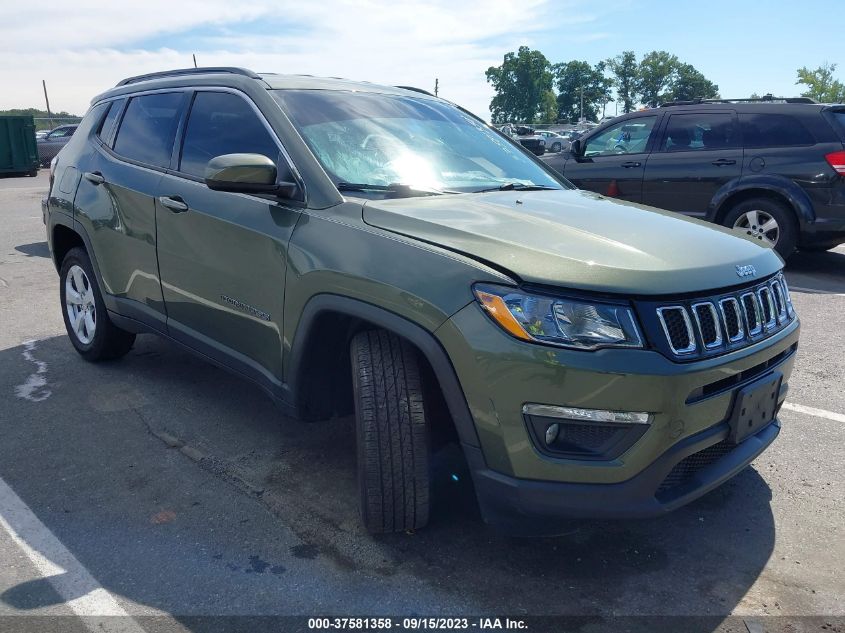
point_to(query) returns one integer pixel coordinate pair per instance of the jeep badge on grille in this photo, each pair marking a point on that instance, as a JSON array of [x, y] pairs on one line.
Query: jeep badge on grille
[[746, 271]]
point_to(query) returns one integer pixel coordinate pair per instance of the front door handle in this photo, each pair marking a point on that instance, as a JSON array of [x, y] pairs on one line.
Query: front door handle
[[94, 177], [631, 163], [723, 161], [174, 203]]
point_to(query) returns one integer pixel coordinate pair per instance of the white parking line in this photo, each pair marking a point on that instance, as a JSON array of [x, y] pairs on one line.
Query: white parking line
[[96, 606], [819, 413]]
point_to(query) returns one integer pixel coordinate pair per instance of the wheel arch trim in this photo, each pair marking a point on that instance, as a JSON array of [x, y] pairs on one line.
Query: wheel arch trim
[[422, 339], [766, 184]]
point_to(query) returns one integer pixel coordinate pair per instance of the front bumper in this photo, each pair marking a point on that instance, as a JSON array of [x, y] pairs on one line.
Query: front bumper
[[527, 507], [689, 403]]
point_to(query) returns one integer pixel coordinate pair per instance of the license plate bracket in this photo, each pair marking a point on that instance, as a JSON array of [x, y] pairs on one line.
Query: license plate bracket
[[755, 406]]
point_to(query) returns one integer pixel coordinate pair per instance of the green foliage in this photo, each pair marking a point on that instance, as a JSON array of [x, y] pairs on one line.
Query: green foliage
[[624, 70], [688, 83], [58, 117], [571, 77], [521, 84], [549, 107], [821, 85], [654, 77]]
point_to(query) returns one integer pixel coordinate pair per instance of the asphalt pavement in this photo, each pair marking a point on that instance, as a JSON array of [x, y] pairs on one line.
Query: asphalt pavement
[[155, 490]]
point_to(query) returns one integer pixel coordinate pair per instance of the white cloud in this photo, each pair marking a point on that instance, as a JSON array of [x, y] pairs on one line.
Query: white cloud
[[85, 47]]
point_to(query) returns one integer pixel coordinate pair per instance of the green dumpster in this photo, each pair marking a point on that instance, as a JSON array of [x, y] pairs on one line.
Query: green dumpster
[[18, 151]]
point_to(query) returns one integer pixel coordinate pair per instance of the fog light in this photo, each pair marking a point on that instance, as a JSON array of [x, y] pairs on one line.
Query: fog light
[[551, 433]]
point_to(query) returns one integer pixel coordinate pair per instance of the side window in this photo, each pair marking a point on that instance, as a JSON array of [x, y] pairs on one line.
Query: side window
[[148, 128], [693, 132], [628, 137], [773, 130], [223, 123], [105, 129], [60, 132]]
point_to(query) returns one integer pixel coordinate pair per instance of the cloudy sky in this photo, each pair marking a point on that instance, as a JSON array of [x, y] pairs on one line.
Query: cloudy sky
[[84, 47]]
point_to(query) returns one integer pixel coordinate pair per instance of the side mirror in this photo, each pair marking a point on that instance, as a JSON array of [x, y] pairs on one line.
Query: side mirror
[[575, 147], [246, 173]]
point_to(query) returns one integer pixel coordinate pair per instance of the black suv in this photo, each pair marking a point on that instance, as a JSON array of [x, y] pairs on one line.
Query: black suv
[[772, 167]]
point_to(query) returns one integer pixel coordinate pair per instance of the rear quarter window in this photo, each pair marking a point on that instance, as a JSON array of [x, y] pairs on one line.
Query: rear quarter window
[[148, 128], [838, 117], [774, 130], [104, 131]]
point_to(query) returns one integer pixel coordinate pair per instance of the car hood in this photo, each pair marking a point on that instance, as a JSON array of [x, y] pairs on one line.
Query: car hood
[[578, 239]]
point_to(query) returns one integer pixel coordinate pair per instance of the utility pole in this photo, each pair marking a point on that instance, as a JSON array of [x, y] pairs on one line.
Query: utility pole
[[436, 86], [194, 55], [581, 118], [47, 99]]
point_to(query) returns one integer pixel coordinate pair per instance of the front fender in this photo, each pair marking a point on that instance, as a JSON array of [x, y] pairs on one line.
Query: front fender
[[784, 187]]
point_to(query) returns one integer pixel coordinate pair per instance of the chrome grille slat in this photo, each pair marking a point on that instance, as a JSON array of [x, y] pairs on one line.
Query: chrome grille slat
[[751, 311], [731, 306], [668, 319], [767, 308], [706, 318]]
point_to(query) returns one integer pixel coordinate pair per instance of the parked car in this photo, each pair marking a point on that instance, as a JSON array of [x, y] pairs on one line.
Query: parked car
[[377, 251], [774, 169], [52, 143], [530, 140], [554, 142], [41, 134]]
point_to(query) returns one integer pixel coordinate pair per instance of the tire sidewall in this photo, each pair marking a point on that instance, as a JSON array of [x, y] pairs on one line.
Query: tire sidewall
[[785, 217], [78, 257]]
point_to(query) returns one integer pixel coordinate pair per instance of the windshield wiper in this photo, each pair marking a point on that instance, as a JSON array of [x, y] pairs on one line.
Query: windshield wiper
[[518, 186], [395, 187]]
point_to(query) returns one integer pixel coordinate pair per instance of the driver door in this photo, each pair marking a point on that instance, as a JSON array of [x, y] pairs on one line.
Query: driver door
[[612, 161]]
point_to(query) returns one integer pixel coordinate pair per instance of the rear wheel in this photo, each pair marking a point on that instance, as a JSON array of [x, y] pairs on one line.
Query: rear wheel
[[556, 147], [87, 322], [391, 432], [767, 221]]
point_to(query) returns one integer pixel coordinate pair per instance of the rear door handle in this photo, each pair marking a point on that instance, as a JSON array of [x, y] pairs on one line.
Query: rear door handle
[[631, 163], [94, 177], [174, 203], [724, 161]]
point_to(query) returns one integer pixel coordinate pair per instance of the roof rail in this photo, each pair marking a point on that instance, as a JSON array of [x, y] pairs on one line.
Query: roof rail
[[425, 92], [764, 99], [189, 71]]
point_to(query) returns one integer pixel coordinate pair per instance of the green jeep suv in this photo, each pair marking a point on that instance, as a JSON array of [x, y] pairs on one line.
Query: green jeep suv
[[366, 249]]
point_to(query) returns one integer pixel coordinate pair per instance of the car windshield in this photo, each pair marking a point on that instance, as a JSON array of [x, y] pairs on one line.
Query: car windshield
[[385, 140]]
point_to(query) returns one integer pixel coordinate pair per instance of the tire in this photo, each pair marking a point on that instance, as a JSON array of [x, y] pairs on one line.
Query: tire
[[91, 331], [784, 237], [556, 147], [391, 433]]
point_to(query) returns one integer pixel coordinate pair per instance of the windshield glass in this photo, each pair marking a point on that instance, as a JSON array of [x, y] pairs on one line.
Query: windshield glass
[[378, 139]]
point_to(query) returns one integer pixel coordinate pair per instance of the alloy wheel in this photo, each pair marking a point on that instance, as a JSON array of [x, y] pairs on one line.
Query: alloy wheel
[[759, 224], [80, 305]]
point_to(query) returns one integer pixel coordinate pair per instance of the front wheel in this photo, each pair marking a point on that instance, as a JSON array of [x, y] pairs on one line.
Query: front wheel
[[87, 322], [767, 221], [391, 432]]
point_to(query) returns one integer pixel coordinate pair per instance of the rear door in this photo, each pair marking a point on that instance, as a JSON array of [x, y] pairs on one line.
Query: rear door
[[697, 154], [115, 200], [612, 161], [223, 255]]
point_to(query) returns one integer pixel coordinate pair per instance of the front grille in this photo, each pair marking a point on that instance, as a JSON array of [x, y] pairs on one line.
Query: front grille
[[678, 329], [687, 467], [691, 328]]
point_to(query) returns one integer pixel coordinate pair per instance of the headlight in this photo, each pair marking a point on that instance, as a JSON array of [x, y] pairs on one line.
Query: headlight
[[559, 321]]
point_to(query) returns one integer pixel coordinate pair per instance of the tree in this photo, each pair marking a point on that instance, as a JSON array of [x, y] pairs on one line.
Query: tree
[[821, 85], [688, 83], [624, 69], [654, 77], [571, 78], [521, 84], [548, 110]]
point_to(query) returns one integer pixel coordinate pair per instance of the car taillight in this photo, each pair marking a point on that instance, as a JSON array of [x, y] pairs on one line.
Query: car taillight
[[53, 170], [837, 161]]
